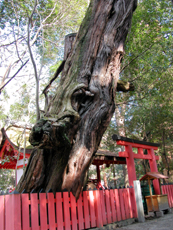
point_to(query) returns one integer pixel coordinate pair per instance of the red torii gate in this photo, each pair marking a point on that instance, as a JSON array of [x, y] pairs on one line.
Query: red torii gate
[[130, 156]]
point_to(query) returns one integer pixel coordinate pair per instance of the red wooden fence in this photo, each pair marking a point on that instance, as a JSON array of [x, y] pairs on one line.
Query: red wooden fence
[[168, 189], [62, 212]]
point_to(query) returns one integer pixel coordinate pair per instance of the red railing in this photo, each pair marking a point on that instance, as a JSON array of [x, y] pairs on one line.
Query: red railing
[[168, 189], [44, 211]]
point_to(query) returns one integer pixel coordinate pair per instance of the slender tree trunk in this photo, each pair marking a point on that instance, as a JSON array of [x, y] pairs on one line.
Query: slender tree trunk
[[119, 115], [164, 156], [68, 136]]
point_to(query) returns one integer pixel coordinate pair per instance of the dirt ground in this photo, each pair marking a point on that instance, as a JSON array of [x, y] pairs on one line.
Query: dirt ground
[[161, 223]]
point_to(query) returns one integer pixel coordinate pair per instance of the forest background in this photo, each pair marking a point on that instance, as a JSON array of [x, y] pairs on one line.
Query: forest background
[[32, 47]]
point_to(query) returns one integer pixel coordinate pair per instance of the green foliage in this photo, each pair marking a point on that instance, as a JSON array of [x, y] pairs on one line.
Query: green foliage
[[51, 21], [7, 179]]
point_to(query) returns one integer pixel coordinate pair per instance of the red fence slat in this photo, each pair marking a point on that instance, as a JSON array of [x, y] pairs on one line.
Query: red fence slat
[[80, 213], [163, 189], [167, 192], [114, 218], [122, 204], [126, 202], [25, 211], [117, 204], [2, 213], [59, 211], [108, 209], [51, 211], [73, 211], [92, 211], [171, 194], [169, 197], [103, 207], [66, 211], [34, 212], [9, 220], [16, 209], [98, 209], [129, 204], [43, 211], [86, 209]]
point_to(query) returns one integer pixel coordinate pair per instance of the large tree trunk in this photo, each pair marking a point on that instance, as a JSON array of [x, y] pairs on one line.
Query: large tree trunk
[[68, 136]]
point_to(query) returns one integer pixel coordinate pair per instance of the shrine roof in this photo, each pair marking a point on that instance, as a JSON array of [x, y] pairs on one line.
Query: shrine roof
[[107, 157], [103, 152], [5, 137], [153, 175]]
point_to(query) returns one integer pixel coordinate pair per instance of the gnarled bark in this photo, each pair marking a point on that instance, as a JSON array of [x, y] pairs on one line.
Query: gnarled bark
[[68, 135]]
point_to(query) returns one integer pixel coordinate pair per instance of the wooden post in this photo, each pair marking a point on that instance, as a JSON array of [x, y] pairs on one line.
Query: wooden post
[[149, 183], [98, 174], [138, 195], [160, 187]]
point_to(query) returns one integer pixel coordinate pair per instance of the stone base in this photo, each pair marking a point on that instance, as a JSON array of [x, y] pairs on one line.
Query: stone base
[[159, 213], [152, 214]]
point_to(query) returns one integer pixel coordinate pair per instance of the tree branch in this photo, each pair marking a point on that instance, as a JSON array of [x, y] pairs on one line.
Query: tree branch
[[137, 57], [13, 75], [33, 62]]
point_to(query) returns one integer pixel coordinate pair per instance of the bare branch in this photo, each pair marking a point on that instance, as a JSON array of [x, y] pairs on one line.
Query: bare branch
[[33, 62], [137, 57], [8, 44], [13, 75]]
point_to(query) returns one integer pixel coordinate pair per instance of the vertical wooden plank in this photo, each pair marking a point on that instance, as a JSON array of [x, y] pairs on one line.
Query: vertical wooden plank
[[51, 211], [80, 213], [163, 189], [86, 210], [2, 212], [73, 211], [103, 207], [9, 213], [99, 220], [16, 209], [126, 203], [108, 208], [167, 192], [92, 211], [43, 211], [122, 204], [117, 204], [133, 202], [59, 211], [66, 211], [129, 203], [25, 211], [171, 195], [34, 212], [114, 217]]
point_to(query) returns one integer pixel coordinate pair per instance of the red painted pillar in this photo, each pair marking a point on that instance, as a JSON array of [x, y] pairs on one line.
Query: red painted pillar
[[153, 168], [98, 174], [130, 164]]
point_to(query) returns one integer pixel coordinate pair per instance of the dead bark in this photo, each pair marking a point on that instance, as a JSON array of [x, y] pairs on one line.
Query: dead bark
[[68, 136]]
